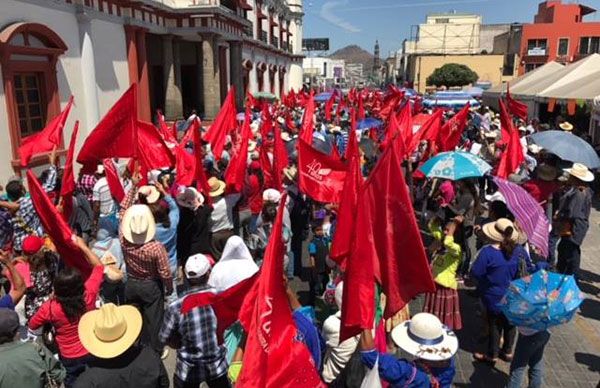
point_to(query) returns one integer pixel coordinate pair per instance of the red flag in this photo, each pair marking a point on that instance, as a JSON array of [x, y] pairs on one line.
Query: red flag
[[185, 161], [114, 182], [506, 124], [452, 130], [46, 139], [223, 124], [340, 107], [395, 253], [56, 227], [236, 171], [392, 132], [280, 159], [273, 357], [517, 108], [342, 238], [392, 99], [352, 147], [512, 157], [226, 304], [406, 126], [199, 173], [329, 107], [429, 131], [67, 187], [115, 134], [418, 105], [361, 107], [153, 152], [251, 101], [168, 135], [320, 176], [308, 125]]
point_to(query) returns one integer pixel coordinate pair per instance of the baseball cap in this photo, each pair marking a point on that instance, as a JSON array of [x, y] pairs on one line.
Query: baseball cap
[[32, 244], [197, 266], [9, 322]]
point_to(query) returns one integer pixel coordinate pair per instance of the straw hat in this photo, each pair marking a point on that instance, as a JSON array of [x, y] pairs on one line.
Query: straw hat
[[189, 198], [566, 126], [285, 136], [495, 230], [271, 195], [496, 122], [138, 225], [150, 192], [425, 337], [217, 187], [110, 331], [546, 172], [580, 172]]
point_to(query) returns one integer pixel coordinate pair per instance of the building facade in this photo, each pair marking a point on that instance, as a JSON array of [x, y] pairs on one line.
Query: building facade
[[323, 71], [558, 33], [183, 55]]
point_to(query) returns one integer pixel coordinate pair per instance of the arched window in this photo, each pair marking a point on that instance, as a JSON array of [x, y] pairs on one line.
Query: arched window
[[28, 55]]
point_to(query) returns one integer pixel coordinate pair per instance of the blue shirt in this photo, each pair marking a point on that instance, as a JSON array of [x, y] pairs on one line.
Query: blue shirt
[[168, 236], [494, 272], [401, 373], [308, 333], [6, 302]]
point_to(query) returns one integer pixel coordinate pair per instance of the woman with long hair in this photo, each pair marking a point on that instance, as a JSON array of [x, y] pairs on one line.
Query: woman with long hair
[[496, 266], [72, 298]]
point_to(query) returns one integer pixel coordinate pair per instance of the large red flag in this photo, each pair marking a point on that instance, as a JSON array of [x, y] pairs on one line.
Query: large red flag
[[186, 161], [352, 147], [199, 173], [406, 126], [320, 176], [280, 158], [453, 129], [115, 134], [274, 357], [506, 123], [512, 157], [67, 187], [396, 251], [429, 131], [153, 152], [308, 125], [394, 131], [56, 227], [361, 107], [517, 108], [46, 139], [329, 107], [236, 171], [222, 125], [168, 134], [114, 181]]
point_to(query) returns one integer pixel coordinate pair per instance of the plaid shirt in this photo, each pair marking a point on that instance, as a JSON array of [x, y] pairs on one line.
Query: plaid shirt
[[200, 357], [6, 228], [86, 185], [26, 221]]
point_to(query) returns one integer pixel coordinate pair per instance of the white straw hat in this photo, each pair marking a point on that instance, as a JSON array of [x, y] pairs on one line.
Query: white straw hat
[[425, 337], [495, 230], [138, 225], [580, 172], [151, 194]]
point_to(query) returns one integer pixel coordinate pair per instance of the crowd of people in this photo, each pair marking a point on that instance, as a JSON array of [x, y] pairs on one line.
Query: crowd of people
[[162, 242]]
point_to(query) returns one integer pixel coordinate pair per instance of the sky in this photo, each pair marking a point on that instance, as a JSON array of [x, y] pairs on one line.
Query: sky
[[361, 22]]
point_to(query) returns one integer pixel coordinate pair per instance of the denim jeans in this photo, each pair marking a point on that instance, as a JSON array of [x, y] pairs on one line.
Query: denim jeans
[[74, 367], [529, 352]]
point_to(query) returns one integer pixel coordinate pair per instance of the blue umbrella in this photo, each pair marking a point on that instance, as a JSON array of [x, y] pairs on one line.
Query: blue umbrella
[[568, 147], [455, 165], [474, 91], [323, 97], [541, 300], [369, 123]]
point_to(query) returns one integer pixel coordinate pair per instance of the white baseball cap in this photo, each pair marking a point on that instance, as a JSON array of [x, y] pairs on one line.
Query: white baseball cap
[[197, 266]]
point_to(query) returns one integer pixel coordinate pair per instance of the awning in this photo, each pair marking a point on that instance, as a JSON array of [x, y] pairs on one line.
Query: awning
[[243, 4]]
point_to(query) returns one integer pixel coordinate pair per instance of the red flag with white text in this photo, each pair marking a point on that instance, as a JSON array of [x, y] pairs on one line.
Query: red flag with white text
[[320, 176]]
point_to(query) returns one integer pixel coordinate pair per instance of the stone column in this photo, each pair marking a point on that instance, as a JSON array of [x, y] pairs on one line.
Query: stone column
[[210, 75], [88, 71], [144, 83], [172, 78], [236, 71]]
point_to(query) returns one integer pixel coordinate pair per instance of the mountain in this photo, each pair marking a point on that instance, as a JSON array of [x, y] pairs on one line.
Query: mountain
[[355, 54]]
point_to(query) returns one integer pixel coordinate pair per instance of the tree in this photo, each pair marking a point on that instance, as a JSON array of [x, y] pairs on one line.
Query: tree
[[452, 74]]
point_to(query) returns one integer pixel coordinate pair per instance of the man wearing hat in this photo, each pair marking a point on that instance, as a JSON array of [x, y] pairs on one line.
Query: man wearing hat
[[200, 358], [24, 364], [111, 334], [222, 215], [573, 216]]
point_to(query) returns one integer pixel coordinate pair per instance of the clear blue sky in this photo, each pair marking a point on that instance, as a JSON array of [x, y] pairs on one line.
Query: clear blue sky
[[360, 22]]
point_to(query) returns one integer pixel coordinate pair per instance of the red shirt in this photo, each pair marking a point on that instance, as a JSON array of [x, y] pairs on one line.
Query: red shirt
[[255, 200], [540, 190], [67, 336]]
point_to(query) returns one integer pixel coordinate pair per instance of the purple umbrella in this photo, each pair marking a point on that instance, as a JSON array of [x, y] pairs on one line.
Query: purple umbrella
[[528, 212]]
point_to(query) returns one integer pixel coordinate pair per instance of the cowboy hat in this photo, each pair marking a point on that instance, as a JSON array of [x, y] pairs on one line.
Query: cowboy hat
[[495, 230], [217, 187], [109, 331], [580, 172], [496, 122], [151, 194], [189, 198], [566, 126], [546, 172], [425, 337], [271, 195], [138, 225], [285, 136]]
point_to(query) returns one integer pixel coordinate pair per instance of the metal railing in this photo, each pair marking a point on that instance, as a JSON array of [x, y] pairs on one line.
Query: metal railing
[[264, 37], [275, 41]]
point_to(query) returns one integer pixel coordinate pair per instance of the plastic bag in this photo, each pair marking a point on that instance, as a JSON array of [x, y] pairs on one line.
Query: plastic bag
[[371, 379]]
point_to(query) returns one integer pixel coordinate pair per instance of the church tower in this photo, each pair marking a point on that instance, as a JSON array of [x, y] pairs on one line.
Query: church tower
[[376, 60]]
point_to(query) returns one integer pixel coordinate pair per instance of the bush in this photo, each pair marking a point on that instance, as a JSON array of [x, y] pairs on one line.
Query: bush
[[452, 74]]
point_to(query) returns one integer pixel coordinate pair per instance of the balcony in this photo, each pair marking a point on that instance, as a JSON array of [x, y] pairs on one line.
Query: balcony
[[264, 37], [284, 46], [275, 41], [248, 31]]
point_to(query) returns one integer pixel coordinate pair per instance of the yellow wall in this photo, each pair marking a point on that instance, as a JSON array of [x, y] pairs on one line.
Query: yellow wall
[[488, 67]]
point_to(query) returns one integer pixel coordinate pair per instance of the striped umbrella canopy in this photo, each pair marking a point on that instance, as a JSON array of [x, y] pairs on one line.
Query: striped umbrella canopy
[[455, 165], [528, 212]]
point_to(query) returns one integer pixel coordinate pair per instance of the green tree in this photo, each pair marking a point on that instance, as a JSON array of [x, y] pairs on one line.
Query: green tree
[[452, 74]]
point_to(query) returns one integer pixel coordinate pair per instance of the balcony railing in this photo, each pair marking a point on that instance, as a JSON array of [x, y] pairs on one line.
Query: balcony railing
[[284, 46], [248, 31], [264, 37], [275, 41]]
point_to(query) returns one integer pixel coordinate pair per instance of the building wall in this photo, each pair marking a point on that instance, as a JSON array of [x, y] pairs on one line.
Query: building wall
[[488, 67], [446, 33], [487, 34]]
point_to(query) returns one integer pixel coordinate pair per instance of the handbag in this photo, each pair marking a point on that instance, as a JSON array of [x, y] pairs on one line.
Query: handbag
[[372, 379], [49, 335]]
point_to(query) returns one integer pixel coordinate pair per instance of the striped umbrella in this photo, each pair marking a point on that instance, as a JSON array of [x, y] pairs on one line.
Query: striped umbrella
[[528, 212]]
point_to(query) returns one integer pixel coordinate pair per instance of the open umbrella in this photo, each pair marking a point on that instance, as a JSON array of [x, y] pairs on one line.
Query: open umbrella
[[541, 300], [369, 123], [568, 147], [455, 165], [528, 212], [323, 97]]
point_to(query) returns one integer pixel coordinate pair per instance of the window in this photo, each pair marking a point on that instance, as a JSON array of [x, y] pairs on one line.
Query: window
[[589, 45], [536, 44], [563, 46], [532, 66], [442, 21], [30, 102]]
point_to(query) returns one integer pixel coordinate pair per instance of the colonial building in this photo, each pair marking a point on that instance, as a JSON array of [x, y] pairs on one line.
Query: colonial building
[[183, 54]]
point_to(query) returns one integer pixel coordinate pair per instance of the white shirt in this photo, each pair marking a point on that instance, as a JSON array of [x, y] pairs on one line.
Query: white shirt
[[336, 355], [222, 214], [101, 193]]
